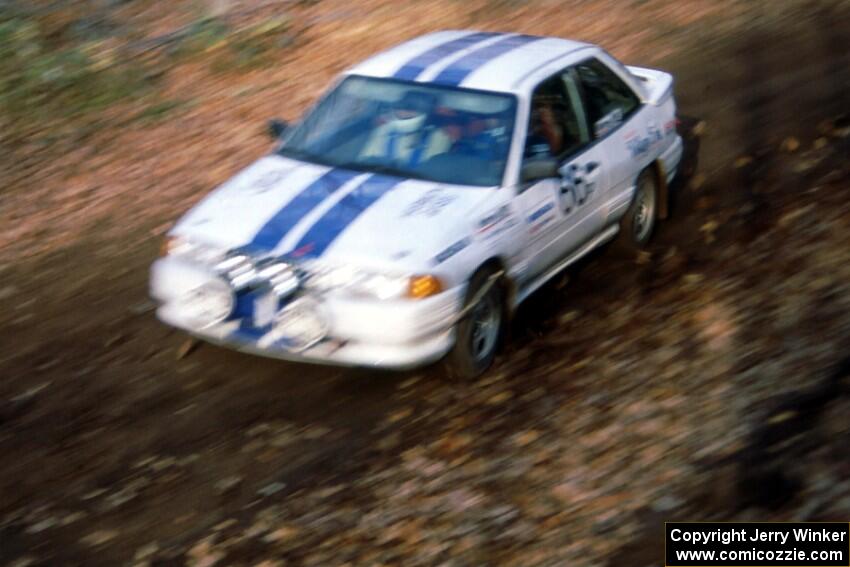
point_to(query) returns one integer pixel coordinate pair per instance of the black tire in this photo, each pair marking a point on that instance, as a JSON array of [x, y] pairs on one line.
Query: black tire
[[479, 334], [638, 224]]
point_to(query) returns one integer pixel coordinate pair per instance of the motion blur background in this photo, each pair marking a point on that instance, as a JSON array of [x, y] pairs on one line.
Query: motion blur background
[[701, 381]]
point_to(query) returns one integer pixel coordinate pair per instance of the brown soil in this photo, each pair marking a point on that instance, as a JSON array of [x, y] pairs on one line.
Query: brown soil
[[632, 392]]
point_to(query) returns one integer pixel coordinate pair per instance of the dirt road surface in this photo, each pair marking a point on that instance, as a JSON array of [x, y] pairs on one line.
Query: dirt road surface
[[634, 390]]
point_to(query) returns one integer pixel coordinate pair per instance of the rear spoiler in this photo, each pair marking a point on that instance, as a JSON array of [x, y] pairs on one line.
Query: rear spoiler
[[657, 85]]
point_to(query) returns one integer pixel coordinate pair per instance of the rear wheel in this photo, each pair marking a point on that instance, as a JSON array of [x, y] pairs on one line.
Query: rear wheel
[[638, 224], [478, 334]]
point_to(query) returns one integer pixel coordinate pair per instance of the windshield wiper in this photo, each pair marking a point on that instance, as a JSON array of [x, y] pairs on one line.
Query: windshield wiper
[[302, 155], [383, 169]]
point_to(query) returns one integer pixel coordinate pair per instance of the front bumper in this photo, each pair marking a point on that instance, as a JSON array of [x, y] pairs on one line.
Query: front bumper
[[395, 334]]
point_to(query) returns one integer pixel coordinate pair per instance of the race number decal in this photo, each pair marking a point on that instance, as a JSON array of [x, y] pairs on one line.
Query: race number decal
[[575, 191]]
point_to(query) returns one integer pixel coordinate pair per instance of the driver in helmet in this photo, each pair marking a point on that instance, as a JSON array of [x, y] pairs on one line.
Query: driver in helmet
[[406, 139], [545, 134]]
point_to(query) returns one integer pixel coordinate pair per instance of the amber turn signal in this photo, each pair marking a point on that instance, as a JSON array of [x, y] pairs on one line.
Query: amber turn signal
[[424, 286]]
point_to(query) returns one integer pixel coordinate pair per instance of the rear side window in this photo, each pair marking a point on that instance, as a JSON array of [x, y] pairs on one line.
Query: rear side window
[[608, 99]]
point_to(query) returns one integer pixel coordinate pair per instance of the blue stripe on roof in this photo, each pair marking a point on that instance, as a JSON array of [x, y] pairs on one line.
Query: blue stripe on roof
[[454, 74], [413, 68], [322, 234], [277, 227]]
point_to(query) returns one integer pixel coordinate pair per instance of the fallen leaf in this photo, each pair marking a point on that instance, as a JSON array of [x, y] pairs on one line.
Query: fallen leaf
[[780, 417], [221, 526], [643, 257], [272, 488], [708, 230], [96, 493], [452, 443], [7, 291], [526, 438], [743, 161], [163, 463], [841, 132], [284, 533], [45, 524], [790, 217], [806, 164], [99, 537], [142, 308], [400, 415], [203, 555], [569, 492], [500, 398], [568, 317], [697, 181], [146, 551], [699, 128], [716, 325], [73, 517], [227, 484], [408, 383], [187, 347], [790, 144]]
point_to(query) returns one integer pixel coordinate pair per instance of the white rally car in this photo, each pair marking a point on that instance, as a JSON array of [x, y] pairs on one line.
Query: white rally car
[[426, 195]]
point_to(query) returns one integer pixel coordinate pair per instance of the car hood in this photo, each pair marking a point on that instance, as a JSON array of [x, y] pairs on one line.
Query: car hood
[[283, 207]]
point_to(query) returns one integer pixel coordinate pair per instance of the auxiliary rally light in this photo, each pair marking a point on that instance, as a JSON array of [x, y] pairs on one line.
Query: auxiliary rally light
[[208, 304]]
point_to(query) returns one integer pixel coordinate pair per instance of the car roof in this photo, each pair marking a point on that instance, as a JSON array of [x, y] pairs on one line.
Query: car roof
[[489, 61]]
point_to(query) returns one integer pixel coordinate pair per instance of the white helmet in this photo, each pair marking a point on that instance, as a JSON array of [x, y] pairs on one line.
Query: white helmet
[[410, 112]]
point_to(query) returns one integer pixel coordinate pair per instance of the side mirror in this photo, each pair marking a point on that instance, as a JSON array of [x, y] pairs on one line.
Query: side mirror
[[276, 128], [540, 168]]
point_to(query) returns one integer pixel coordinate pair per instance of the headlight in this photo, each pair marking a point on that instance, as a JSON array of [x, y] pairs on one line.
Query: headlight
[[323, 278], [362, 283], [384, 287]]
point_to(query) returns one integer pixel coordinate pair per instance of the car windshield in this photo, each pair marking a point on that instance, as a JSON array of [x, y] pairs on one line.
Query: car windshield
[[421, 131]]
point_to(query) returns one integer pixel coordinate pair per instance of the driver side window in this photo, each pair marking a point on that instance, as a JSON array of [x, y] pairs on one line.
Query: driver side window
[[556, 127]]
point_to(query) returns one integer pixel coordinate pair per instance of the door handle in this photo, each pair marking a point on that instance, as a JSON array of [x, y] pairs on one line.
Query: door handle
[[590, 167]]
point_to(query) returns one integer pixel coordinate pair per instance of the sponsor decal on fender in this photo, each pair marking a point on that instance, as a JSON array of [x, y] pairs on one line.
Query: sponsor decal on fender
[[541, 213], [639, 146], [451, 250], [496, 223]]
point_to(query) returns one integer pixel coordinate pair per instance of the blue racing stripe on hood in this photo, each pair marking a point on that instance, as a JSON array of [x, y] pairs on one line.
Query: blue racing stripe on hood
[[454, 74], [413, 68], [277, 227], [336, 220]]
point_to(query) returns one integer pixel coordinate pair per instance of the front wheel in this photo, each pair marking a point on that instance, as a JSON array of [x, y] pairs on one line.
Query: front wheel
[[638, 224], [478, 334]]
